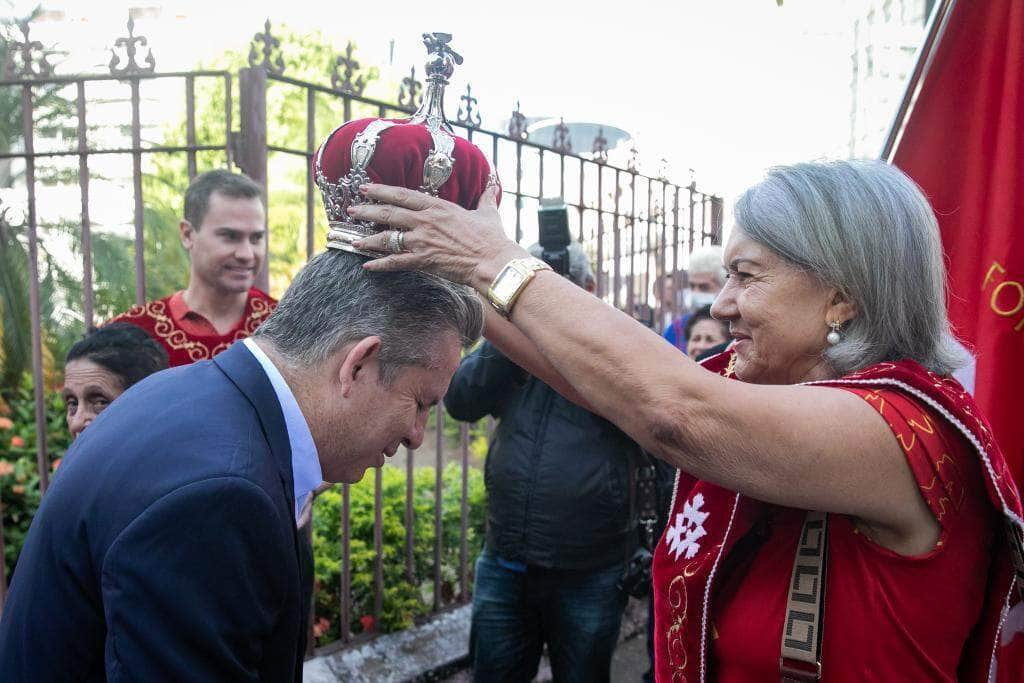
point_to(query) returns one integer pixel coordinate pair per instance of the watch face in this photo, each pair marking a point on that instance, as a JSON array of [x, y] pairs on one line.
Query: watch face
[[507, 284]]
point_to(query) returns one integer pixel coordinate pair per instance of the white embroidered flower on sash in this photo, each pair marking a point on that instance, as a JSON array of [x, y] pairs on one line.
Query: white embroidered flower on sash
[[687, 529]]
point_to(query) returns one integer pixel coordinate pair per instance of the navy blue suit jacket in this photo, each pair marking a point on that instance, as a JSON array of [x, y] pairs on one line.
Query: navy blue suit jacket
[[166, 547]]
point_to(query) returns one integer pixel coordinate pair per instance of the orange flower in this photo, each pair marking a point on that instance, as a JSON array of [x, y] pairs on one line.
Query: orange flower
[[368, 622], [320, 627], [5, 423], [5, 468], [19, 489], [55, 465], [17, 442]]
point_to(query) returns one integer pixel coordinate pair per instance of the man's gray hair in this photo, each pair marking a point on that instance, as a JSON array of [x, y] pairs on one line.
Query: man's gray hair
[[866, 229], [580, 271], [333, 301], [708, 259]]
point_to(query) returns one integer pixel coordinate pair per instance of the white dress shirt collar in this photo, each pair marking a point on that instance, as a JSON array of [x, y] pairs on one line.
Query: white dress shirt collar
[[306, 472]]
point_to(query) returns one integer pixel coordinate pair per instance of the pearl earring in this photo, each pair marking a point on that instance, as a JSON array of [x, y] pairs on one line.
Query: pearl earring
[[833, 336]]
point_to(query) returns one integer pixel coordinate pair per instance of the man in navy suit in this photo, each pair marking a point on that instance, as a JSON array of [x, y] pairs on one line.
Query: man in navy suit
[[167, 548]]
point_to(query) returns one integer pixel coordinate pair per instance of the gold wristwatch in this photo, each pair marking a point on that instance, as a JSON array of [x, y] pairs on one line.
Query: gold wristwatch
[[511, 282]]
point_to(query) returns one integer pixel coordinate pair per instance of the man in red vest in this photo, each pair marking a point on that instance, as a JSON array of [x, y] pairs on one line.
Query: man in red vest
[[224, 232]]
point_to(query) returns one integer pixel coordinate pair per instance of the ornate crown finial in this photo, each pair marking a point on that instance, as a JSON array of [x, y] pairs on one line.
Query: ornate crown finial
[[441, 58], [441, 61]]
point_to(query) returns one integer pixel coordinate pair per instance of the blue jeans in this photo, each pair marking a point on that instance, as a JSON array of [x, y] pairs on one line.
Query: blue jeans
[[576, 613]]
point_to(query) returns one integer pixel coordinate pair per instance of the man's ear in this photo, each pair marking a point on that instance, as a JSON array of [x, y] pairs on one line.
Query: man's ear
[[360, 364], [187, 234]]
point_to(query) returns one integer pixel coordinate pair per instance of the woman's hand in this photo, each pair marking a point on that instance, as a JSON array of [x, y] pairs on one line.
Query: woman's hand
[[439, 237]]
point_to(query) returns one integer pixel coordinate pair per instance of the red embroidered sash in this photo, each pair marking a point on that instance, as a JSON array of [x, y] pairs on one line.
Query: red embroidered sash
[[706, 521]]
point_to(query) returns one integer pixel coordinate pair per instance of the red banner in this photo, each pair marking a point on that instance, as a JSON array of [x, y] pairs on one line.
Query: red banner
[[964, 144]]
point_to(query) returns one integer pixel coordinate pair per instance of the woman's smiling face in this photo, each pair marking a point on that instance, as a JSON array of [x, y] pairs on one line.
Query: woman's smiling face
[[777, 313]]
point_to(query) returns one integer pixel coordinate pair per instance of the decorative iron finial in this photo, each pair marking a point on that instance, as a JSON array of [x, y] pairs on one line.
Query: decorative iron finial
[[663, 169], [409, 93], [561, 142], [129, 44], [631, 164], [270, 44], [517, 124], [600, 148], [342, 79], [31, 66], [471, 118]]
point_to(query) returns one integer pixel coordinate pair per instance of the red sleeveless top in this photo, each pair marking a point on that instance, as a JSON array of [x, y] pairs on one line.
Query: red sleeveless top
[[719, 614]]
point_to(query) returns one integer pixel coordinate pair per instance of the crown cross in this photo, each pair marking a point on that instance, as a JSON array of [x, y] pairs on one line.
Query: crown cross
[[600, 148], [32, 66], [517, 124], [561, 142], [270, 44], [471, 118], [130, 45], [409, 93], [438, 47], [341, 79]]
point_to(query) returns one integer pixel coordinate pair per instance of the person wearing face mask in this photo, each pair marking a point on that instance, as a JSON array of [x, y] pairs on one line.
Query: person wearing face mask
[[706, 279], [102, 365]]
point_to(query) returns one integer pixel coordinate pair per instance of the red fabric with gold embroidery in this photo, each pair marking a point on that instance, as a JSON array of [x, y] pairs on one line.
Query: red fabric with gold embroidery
[[719, 616], [178, 335]]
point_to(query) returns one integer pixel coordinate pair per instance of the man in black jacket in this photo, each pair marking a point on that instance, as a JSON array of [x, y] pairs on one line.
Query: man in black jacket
[[559, 522]]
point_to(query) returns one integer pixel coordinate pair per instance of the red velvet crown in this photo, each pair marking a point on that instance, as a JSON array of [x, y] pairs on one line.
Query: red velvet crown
[[420, 153]]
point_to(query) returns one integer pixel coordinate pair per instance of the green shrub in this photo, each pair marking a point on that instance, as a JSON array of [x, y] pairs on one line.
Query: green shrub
[[19, 476], [404, 600]]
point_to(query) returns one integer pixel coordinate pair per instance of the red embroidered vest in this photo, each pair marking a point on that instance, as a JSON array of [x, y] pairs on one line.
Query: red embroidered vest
[[184, 348], [706, 522]]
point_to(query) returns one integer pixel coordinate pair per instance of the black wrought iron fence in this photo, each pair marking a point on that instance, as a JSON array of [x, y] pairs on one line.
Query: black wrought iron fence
[[635, 226]]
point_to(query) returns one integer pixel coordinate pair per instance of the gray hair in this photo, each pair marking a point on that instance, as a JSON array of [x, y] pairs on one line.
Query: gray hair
[[708, 259], [866, 229], [333, 301], [580, 271]]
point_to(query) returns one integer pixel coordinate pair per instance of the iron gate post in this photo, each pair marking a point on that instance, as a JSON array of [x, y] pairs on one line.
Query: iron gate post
[[250, 152]]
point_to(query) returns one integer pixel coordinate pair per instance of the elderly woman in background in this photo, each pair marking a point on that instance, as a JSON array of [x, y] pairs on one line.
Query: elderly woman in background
[[844, 486], [704, 333], [102, 365]]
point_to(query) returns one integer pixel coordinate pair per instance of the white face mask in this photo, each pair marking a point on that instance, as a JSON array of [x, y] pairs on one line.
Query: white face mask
[[699, 300]]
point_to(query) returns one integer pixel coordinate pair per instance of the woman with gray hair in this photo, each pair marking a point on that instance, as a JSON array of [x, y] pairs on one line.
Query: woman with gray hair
[[845, 485]]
